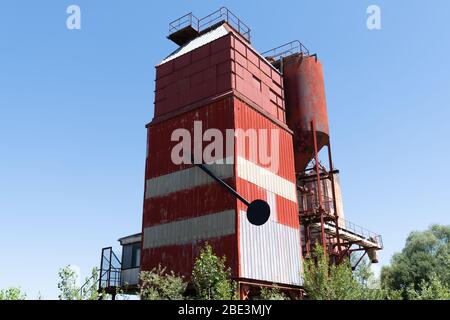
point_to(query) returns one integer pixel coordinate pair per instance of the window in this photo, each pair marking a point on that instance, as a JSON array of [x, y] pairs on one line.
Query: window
[[131, 255]]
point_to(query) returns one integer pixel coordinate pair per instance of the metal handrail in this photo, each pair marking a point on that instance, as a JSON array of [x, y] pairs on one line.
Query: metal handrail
[[186, 20], [285, 50], [221, 15], [361, 231], [309, 204], [224, 14]]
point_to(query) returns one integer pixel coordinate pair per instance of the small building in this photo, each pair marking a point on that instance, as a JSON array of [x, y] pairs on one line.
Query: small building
[[121, 271]]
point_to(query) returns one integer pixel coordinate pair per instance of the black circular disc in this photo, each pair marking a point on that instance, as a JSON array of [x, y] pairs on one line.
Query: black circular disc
[[258, 212]]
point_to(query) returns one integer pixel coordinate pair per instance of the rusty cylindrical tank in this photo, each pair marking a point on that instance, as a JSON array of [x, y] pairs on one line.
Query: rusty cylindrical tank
[[305, 102]]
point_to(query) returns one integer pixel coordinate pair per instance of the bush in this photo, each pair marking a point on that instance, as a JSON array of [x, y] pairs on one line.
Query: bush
[[161, 285], [211, 278], [12, 294], [272, 294], [325, 281]]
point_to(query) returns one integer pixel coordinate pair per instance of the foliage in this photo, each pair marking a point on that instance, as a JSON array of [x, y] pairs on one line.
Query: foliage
[[272, 294], [432, 290], [70, 291], [325, 281], [12, 294], [161, 285], [67, 284], [424, 259], [210, 277]]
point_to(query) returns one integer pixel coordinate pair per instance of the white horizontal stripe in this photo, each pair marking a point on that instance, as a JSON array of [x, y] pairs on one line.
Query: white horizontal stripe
[[189, 230], [266, 179], [187, 179]]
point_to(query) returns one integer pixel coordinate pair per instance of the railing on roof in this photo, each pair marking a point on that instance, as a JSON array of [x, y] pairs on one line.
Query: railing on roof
[[183, 22], [285, 50], [225, 15], [221, 15]]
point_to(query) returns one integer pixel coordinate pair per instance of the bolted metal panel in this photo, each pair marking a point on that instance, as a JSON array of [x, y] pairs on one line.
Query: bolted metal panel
[[257, 80], [305, 102], [201, 73]]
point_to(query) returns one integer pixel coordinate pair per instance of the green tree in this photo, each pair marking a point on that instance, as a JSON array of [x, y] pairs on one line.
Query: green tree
[[432, 290], [161, 285], [70, 291], [210, 277], [12, 294], [426, 255], [325, 281]]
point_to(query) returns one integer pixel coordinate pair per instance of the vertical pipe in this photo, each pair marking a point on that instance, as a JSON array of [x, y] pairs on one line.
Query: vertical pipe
[[308, 240], [333, 190], [319, 187]]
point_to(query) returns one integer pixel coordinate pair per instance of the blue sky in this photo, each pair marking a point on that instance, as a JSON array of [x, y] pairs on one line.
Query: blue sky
[[73, 105]]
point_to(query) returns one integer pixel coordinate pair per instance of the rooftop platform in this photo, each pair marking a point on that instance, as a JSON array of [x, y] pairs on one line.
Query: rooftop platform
[[189, 27]]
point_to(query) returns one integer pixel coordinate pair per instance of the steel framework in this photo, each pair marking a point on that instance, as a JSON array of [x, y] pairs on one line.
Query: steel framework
[[320, 218]]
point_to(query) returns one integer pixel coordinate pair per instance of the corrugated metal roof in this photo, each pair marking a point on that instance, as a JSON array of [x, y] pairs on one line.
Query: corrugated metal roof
[[198, 42], [130, 239]]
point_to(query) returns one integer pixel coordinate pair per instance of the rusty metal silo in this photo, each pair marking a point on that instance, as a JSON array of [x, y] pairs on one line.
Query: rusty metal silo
[[305, 104]]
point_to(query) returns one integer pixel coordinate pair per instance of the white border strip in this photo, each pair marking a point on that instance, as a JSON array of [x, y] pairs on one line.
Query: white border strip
[[187, 179], [266, 179], [186, 231]]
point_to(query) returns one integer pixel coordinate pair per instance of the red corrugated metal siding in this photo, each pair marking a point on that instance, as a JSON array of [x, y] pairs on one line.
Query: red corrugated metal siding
[[217, 115], [287, 212], [277, 255], [188, 203], [201, 73], [194, 208], [180, 258], [247, 118]]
